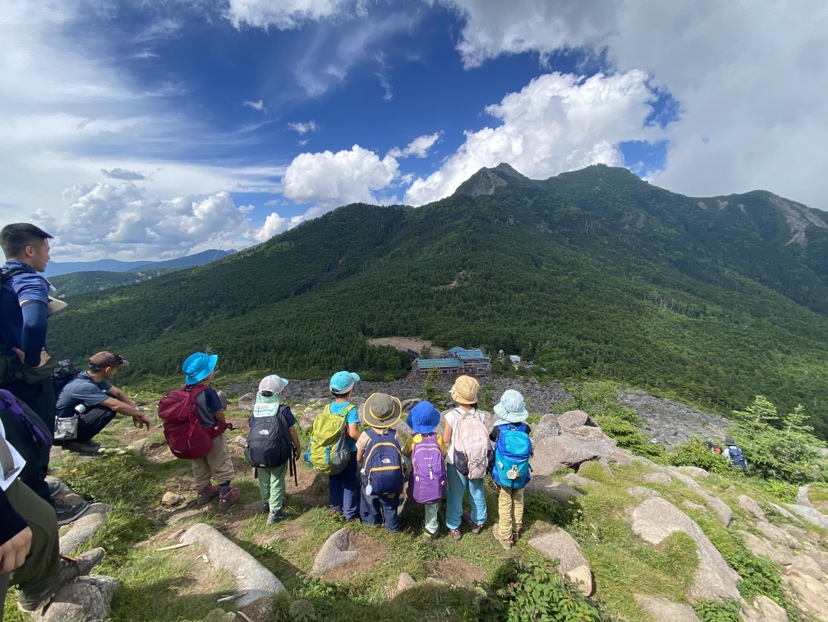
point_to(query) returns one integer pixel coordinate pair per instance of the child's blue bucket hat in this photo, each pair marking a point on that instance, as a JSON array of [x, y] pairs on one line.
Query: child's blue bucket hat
[[423, 418], [511, 407], [198, 366], [343, 382]]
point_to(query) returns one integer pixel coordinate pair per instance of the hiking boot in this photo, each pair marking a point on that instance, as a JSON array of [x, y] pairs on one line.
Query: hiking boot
[[34, 595], [506, 543], [276, 516], [206, 494], [229, 500], [87, 449], [473, 527], [265, 508], [67, 513], [456, 533]]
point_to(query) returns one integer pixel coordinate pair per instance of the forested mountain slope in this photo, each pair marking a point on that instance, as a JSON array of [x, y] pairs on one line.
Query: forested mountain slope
[[591, 274]]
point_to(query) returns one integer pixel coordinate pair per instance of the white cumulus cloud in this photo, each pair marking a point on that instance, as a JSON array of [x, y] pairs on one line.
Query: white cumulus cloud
[[332, 179], [123, 221], [419, 147], [558, 122], [286, 14]]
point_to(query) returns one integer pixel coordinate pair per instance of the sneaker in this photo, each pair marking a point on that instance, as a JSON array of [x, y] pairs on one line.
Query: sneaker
[[34, 595], [229, 500], [206, 494], [275, 516], [506, 543], [54, 486], [67, 513], [456, 533], [429, 537], [89, 448], [515, 535], [473, 527]]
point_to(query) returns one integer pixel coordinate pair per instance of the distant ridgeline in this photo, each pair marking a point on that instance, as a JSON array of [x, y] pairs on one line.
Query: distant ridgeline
[[591, 274]]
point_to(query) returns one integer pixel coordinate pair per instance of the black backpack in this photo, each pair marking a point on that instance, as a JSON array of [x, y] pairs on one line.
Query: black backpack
[[268, 443], [63, 373]]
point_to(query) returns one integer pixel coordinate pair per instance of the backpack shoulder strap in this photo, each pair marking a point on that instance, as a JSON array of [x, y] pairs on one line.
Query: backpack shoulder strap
[[6, 274]]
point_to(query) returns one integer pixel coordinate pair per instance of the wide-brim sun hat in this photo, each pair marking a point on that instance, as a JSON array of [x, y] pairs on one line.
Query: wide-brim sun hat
[[381, 410], [511, 407], [343, 382], [198, 366], [465, 390], [423, 418], [273, 383]]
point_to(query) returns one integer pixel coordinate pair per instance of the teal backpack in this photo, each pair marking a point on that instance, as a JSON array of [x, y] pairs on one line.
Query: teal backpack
[[512, 452]]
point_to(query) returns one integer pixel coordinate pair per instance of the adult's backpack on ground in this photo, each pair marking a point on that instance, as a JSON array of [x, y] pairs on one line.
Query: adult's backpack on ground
[[327, 451], [512, 452], [428, 479], [186, 437], [268, 442], [737, 457], [471, 446], [382, 465]]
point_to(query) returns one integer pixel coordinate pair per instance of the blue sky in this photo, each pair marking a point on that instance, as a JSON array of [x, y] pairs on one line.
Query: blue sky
[[143, 130]]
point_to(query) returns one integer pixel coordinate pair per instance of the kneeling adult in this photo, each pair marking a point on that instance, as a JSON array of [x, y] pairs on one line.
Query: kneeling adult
[[96, 401]]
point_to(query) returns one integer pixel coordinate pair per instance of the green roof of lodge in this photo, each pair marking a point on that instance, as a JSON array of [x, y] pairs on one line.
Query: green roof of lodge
[[438, 363]]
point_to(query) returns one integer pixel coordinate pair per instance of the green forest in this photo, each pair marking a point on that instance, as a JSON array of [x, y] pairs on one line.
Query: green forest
[[591, 275]]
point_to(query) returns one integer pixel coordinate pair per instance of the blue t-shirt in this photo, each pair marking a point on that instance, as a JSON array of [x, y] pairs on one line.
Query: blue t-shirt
[[351, 417], [81, 390], [26, 286]]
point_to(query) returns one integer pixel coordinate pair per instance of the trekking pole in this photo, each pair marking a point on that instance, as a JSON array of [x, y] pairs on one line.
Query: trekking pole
[[293, 470]]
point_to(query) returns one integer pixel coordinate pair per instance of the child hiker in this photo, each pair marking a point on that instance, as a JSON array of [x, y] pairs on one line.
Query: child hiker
[[428, 480], [343, 488], [199, 369], [272, 444], [379, 453], [510, 473], [468, 444]]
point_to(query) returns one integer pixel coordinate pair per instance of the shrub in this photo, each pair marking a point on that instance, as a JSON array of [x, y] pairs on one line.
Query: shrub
[[695, 453], [529, 592], [714, 611]]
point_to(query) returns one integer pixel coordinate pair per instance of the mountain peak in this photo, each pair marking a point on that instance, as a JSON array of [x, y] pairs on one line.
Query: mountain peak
[[488, 180]]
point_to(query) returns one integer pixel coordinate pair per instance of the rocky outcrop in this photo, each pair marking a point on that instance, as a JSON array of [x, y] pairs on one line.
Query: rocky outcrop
[[85, 600], [663, 610], [656, 518]]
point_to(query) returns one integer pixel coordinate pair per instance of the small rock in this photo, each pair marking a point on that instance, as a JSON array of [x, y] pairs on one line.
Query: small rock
[[334, 552], [806, 565], [247, 401], [694, 472], [663, 610], [84, 528], [751, 506], [87, 599], [769, 610], [557, 491], [405, 582], [220, 615], [561, 546], [582, 577], [573, 479], [641, 492], [171, 498]]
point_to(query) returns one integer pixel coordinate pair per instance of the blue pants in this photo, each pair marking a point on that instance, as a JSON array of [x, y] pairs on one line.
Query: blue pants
[[458, 484], [378, 509], [343, 490]]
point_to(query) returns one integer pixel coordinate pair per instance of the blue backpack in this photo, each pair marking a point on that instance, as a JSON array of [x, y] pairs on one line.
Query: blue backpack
[[512, 452], [737, 457], [382, 466]]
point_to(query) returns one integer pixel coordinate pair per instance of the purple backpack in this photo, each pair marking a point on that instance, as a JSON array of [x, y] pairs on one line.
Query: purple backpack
[[427, 483]]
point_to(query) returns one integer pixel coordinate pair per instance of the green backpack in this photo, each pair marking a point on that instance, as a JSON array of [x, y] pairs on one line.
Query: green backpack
[[327, 452]]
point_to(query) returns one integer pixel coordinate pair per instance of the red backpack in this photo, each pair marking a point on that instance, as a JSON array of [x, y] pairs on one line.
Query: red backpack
[[185, 434]]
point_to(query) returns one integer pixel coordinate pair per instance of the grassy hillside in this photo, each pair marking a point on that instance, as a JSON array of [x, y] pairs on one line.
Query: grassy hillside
[[593, 274]]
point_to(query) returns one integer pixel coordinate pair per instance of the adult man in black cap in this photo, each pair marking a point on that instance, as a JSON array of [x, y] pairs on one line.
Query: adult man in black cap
[[95, 401]]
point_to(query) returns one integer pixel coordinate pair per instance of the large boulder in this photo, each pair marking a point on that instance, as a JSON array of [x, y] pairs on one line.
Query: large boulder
[[558, 452], [751, 506], [546, 427], [82, 530], [810, 514], [255, 584], [574, 419], [85, 600], [656, 518], [247, 401], [573, 565]]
